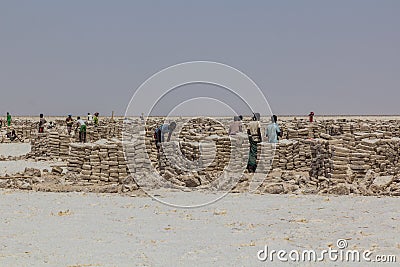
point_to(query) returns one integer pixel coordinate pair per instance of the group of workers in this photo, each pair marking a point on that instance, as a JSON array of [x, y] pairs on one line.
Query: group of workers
[[272, 132], [254, 128], [81, 125]]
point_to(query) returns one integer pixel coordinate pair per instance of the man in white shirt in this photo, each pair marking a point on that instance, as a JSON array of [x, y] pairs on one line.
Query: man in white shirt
[[236, 126], [90, 118], [82, 129]]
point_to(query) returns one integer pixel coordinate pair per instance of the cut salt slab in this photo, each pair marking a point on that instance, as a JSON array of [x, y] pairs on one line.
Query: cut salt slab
[[383, 181]]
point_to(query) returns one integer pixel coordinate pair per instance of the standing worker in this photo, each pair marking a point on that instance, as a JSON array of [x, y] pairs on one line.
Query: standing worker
[[236, 126], [254, 133], [82, 129], [96, 119], [42, 122], [273, 131], [70, 122], [311, 116], [160, 131], [90, 118], [8, 119]]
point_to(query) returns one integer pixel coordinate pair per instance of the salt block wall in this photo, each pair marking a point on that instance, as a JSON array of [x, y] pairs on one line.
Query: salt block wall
[[336, 150]]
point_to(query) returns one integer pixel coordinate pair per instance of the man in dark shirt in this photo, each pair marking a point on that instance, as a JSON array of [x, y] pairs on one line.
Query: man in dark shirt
[[42, 122], [70, 123]]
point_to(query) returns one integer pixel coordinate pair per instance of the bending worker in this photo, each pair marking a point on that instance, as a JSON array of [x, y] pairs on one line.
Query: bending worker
[[159, 137], [160, 131]]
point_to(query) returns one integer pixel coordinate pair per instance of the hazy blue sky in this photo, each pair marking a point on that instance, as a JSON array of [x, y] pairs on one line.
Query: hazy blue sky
[[332, 57]]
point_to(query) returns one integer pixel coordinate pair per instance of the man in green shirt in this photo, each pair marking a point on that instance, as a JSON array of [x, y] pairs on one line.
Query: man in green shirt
[[96, 119], [8, 119]]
